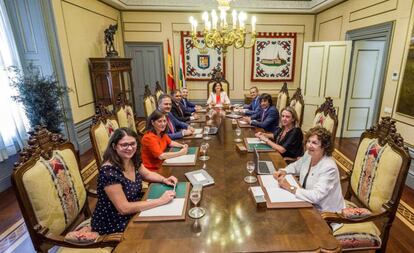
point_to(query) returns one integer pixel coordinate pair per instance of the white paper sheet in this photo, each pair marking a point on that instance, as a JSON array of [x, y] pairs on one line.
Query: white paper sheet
[[198, 135], [199, 177], [277, 194], [198, 130], [257, 191], [243, 122], [181, 159], [254, 141], [174, 208]]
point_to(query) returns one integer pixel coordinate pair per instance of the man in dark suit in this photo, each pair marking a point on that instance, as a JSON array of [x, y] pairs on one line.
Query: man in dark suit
[[267, 117], [176, 128], [254, 106], [188, 106], [178, 109]]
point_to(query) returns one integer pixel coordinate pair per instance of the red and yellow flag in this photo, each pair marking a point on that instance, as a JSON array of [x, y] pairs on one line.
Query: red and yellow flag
[[170, 74]]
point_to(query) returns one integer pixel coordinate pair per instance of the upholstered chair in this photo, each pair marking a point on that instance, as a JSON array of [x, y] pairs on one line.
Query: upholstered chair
[[298, 104], [375, 186], [158, 90], [125, 114], [53, 198], [150, 103], [282, 97], [326, 117], [103, 125], [218, 77]]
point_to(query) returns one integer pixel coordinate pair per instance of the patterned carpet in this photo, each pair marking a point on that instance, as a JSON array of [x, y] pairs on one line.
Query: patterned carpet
[[405, 212]]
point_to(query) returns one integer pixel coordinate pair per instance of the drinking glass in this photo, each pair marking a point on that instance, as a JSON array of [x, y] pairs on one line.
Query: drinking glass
[[206, 132], [250, 168], [238, 133], [203, 148], [195, 197]]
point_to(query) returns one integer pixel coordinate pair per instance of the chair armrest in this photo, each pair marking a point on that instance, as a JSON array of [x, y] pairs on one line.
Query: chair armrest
[[110, 240], [331, 217], [91, 192]]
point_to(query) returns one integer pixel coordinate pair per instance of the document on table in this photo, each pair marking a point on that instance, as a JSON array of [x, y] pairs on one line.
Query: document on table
[[254, 141], [198, 130], [174, 208], [184, 159], [277, 194]]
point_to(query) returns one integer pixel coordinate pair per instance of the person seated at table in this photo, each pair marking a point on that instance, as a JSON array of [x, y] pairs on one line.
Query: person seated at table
[[178, 109], [288, 138], [218, 97], [120, 184], [267, 117], [176, 129], [155, 142], [188, 106], [254, 106], [318, 174]]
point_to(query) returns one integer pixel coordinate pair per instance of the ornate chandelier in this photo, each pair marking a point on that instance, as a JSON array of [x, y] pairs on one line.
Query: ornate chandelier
[[221, 34]]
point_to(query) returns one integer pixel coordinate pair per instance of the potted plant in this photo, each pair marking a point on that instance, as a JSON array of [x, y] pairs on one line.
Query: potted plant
[[40, 95]]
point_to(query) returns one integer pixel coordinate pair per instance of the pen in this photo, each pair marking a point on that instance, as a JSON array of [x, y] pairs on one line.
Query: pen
[[174, 186]]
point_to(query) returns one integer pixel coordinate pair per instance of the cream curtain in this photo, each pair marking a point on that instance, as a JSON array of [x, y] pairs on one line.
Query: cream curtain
[[13, 122]]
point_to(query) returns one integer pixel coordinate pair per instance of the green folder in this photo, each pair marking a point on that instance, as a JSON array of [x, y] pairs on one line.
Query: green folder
[[259, 146], [191, 150], [157, 189]]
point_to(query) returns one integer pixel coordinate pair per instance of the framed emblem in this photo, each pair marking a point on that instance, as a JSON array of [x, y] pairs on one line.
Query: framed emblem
[[273, 57], [199, 64]]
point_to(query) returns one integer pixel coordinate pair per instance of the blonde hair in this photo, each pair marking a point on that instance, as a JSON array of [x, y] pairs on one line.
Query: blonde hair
[[293, 113]]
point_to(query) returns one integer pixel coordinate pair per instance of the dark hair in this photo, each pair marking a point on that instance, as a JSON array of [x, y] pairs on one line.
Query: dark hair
[[162, 97], [255, 88], [155, 115], [324, 136], [112, 156], [214, 87], [175, 91], [266, 96]]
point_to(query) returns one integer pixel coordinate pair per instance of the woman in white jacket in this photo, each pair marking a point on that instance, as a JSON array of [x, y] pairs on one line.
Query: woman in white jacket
[[218, 97], [318, 173]]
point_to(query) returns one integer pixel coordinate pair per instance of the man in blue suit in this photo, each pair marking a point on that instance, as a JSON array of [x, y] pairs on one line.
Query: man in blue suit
[[254, 106], [176, 128], [188, 106], [267, 117]]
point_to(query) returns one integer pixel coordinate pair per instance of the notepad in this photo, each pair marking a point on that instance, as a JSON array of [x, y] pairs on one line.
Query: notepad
[[174, 208], [156, 190], [277, 194], [199, 177], [233, 116], [184, 159], [254, 141], [198, 130], [191, 150]]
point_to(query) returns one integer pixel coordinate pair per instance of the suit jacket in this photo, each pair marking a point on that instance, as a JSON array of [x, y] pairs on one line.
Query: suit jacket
[[253, 107], [179, 112], [224, 99], [177, 126], [269, 121], [188, 106]]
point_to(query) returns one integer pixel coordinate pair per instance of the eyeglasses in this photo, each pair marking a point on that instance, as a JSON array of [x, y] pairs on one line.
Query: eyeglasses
[[125, 146]]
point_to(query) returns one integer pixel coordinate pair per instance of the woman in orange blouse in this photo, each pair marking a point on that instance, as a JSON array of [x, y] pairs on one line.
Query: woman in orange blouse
[[155, 142]]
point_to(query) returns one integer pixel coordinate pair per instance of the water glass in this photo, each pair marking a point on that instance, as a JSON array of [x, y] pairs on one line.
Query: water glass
[[238, 133], [206, 131], [203, 148], [250, 168], [195, 197]]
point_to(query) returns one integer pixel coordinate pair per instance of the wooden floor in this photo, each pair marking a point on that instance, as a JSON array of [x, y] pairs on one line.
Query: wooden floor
[[401, 237]]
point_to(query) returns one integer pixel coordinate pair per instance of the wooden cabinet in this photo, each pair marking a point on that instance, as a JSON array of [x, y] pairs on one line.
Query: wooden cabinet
[[110, 77]]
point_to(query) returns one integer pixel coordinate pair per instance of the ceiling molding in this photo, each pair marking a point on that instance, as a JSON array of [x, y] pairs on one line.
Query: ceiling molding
[[252, 6]]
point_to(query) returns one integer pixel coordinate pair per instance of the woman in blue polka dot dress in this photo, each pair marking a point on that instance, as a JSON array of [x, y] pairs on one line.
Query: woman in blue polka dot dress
[[120, 184]]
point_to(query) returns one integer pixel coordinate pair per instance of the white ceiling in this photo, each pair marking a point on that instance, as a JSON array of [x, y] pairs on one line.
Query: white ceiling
[[261, 6]]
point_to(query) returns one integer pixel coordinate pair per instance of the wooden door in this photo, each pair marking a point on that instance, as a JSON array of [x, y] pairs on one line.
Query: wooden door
[[364, 85], [325, 68], [147, 68]]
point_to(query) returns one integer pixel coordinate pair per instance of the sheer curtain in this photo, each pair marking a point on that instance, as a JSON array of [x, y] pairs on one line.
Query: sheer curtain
[[13, 122]]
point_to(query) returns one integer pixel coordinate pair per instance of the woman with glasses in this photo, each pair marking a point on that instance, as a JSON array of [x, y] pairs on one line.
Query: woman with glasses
[[156, 141], [288, 138], [120, 184]]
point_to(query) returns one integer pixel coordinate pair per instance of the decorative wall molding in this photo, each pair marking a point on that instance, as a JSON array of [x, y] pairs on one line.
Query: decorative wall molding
[[82, 135], [264, 6]]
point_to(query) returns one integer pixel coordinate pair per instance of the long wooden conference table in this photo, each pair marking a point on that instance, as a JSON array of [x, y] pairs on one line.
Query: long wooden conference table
[[233, 222]]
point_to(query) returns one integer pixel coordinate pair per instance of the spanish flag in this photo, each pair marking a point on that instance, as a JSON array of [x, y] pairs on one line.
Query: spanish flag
[[170, 75]]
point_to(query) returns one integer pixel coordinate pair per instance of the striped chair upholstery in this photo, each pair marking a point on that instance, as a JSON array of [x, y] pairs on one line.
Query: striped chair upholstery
[[282, 97], [298, 104], [326, 117]]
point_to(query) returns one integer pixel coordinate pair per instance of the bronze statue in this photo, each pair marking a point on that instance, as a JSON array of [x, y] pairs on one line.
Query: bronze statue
[[109, 40]]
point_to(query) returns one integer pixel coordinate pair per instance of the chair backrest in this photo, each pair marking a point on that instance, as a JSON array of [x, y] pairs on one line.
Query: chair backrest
[[380, 170], [150, 102], [283, 97], [49, 186], [218, 77], [298, 104], [125, 113], [103, 125], [326, 117], [158, 90]]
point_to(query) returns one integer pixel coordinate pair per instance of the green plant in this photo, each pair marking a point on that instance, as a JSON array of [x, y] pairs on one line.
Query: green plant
[[40, 95]]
